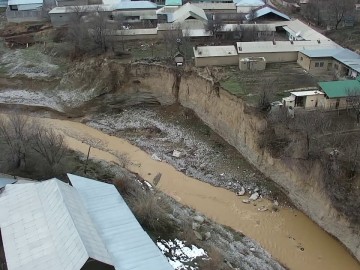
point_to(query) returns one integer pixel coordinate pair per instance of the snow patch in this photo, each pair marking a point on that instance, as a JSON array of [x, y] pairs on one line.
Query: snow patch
[[180, 256]]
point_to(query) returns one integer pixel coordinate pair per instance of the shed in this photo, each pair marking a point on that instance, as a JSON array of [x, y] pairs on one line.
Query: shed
[[252, 63], [179, 59], [305, 99], [215, 56]]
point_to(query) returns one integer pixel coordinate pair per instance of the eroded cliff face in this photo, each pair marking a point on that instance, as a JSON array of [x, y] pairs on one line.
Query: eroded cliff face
[[240, 126]]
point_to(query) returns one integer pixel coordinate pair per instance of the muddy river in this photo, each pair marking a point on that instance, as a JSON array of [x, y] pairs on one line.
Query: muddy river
[[288, 235]]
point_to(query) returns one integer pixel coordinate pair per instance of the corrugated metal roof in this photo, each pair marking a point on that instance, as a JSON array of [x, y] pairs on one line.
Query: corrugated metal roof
[[6, 181], [173, 2], [249, 3], [24, 2], [283, 46], [214, 51], [73, 9], [256, 27], [186, 11], [302, 31], [338, 89], [216, 6], [265, 11], [127, 243], [45, 226], [345, 56], [135, 5]]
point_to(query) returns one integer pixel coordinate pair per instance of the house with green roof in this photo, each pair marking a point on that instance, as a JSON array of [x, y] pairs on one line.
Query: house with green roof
[[338, 93]]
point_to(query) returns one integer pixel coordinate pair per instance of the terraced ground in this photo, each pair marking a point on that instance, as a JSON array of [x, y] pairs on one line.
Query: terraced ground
[[278, 78]]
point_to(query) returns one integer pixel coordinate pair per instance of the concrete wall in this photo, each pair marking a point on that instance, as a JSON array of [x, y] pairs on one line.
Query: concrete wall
[[232, 60], [278, 57], [24, 16], [331, 104], [315, 101], [309, 64], [58, 20]]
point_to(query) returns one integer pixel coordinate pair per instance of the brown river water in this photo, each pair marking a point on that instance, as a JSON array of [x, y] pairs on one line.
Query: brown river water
[[289, 235]]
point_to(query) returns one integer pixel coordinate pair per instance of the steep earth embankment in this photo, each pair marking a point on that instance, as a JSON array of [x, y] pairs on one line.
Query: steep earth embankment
[[240, 125]]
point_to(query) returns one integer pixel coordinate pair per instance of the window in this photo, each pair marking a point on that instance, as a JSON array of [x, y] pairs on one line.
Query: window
[[321, 64], [336, 66], [13, 7], [301, 58], [317, 64]]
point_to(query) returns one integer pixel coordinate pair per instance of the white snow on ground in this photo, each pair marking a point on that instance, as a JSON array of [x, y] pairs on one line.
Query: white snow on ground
[[179, 255], [31, 98], [30, 63]]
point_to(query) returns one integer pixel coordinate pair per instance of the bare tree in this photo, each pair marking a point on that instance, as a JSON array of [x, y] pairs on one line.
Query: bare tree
[[172, 40], [312, 11], [214, 26], [251, 15], [14, 130], [353, 100], [312, 124], [50, 145], [337, 10]]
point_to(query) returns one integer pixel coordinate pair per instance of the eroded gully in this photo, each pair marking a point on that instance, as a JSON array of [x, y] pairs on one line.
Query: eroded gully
[[289, 235]]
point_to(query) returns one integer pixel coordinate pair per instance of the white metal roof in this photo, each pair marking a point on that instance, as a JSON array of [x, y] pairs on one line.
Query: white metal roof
[[266, 10], [128, 244], [215, 6], [302, 31], [283, 46], [256, 27], [73, 9], [186, 11], [45, 226], [196, 33], [307, 93], [249, 3], [214, 51], [24, 2]]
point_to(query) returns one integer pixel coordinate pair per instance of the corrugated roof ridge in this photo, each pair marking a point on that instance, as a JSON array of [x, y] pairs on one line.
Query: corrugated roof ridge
[[74, 223], [54, 180]]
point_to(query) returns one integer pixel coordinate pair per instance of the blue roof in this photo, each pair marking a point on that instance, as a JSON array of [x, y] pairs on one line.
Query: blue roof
[[249, 3], [345, 56], [135, 5], [173, 2], [266, 10], [6, 181]]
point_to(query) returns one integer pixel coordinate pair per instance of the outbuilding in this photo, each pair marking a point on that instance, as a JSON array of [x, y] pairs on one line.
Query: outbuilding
[[24, 11], [215, 56], [305, 99]]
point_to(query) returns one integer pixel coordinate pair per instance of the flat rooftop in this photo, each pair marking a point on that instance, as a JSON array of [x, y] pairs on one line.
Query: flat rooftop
[[214, 51]]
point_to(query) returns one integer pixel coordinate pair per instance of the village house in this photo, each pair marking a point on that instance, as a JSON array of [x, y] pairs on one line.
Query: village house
[[342, 62], [24, 11], [338, 93], [215, 56], [83, 226], [279, 51]]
